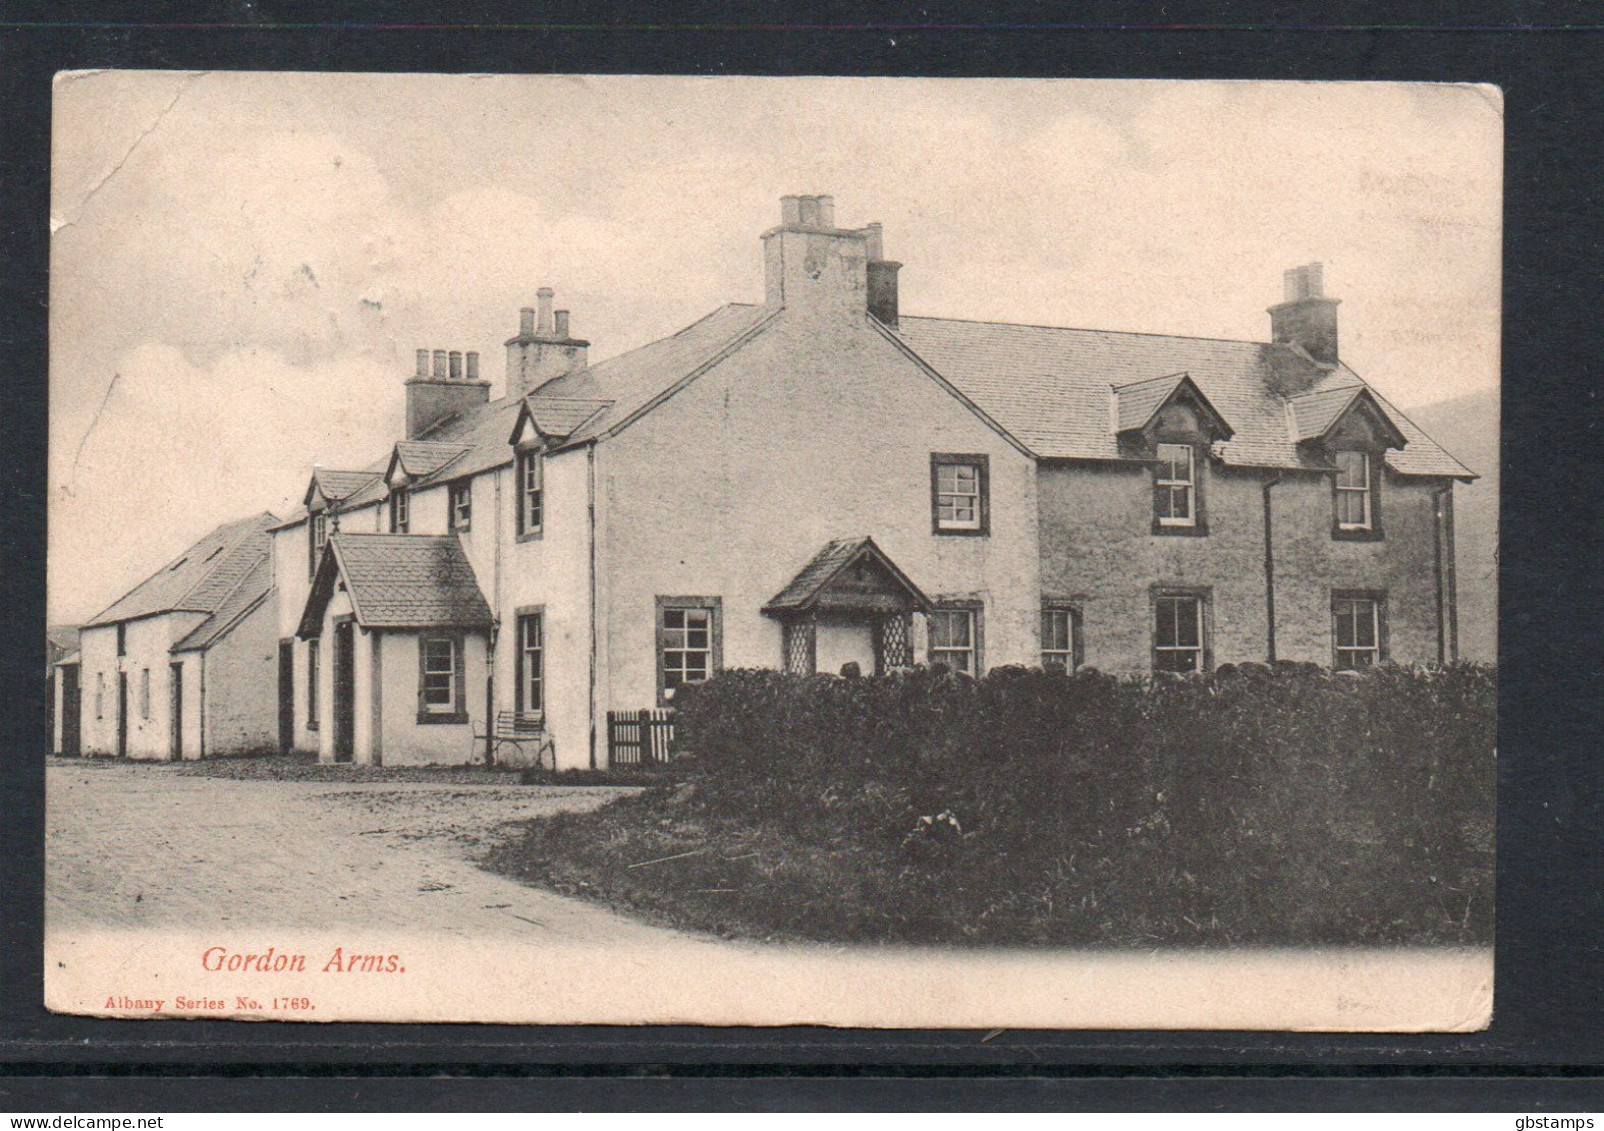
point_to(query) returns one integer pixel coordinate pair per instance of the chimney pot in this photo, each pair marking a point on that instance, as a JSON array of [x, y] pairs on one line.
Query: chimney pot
[[543, 297], [826, 211], [473, 365], [439, 365], [423, 363], [526, 322], [456, 365], [790, 211], [810, 211], [876, 246], [562, 324]]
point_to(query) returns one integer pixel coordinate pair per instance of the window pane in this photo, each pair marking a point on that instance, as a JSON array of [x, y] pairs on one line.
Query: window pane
[[1188, 627], [1180, 502], [1364, 623], [1343, 612], [1352, 469], [1178, 661], [1164, 623]]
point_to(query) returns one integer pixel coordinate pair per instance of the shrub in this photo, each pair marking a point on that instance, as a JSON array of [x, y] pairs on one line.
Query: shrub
[[1274, 804]]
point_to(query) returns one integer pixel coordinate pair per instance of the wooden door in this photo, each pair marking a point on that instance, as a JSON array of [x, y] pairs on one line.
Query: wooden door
[[175, 726], [344, 693], [122, 714], [71, 711], [286, 696]]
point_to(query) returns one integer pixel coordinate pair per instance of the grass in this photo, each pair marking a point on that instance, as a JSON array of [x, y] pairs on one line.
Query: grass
[[663, 856]]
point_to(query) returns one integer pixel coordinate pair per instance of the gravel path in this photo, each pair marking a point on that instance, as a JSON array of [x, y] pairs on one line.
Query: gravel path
[[143, 846]]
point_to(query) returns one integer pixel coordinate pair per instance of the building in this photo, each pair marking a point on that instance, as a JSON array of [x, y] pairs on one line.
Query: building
[[821, 480], [180, 666]]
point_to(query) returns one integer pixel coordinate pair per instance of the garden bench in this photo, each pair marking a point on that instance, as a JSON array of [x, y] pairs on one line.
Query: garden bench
[[518, 728]]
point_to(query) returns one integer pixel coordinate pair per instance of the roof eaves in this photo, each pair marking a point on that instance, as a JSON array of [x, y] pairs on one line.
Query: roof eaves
[[931, 371]]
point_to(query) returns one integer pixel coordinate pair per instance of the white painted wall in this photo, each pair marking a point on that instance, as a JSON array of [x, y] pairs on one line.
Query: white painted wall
[[149, 640], [551, 571], [817, 429], [242, 686]]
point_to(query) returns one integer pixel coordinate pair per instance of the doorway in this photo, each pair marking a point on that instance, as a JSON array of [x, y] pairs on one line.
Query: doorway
[[175, 735], [122, 714], [286, 695], [344, 691], [71, 711]]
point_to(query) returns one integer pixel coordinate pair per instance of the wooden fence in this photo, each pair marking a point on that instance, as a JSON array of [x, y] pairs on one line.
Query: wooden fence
[[637, 739]]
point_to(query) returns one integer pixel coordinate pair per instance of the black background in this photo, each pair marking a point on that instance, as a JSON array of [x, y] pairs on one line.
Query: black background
[[1544, 1046]]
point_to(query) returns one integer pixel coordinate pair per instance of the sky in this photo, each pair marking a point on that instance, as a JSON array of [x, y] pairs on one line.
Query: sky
[[242, 264]]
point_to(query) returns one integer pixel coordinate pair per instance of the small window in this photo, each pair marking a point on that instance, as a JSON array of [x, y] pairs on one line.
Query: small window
[[1060, 638], [531, 662], [316, 536], [1175, 487], [176, 566], [1356, 631], [122, 638], [958, 494], [100, 695], [955, 639], [461, 506], [1355, 509], [144, 693], [440, 678], [1178, 634], [312, 657], [531, 508], [688, 642], [400, 510]]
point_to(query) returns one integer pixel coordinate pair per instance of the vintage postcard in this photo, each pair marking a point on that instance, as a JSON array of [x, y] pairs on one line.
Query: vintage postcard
[[899, 553]]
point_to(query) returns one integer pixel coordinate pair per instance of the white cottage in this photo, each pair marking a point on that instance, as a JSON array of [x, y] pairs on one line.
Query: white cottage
[[818, 480], [180, 666]]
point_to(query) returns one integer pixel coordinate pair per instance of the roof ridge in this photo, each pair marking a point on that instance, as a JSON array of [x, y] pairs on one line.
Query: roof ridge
[[1094, 330]]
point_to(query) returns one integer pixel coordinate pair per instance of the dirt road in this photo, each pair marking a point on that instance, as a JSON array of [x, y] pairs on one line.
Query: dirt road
[[144, 847]]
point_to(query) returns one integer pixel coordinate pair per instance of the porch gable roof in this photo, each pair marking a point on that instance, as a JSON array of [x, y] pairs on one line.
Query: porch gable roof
[[398, 581], [808, 589]]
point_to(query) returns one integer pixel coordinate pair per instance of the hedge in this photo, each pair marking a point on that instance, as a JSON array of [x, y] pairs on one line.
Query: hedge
[[1275, 805]]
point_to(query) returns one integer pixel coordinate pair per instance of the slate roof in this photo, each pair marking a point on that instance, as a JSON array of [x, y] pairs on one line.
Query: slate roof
[[203, 577], [246, 595], [399, 581], [422, 458], [804, 589], [1051, 388], [633, 381], [559, 416], [336, 486]]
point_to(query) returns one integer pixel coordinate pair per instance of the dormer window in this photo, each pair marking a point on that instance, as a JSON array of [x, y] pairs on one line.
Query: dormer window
[[1175, 488], [531, 501], [400, 510], [1354, 495], [317, 533], [460, 510]]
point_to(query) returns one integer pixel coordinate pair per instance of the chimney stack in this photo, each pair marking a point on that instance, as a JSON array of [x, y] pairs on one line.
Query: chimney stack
[[813, 267], [438, 390], [544, 348], [1305, 317], [882, 278]]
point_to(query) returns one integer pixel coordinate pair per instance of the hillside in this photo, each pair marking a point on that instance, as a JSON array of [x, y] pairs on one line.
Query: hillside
[[1468, 427]]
